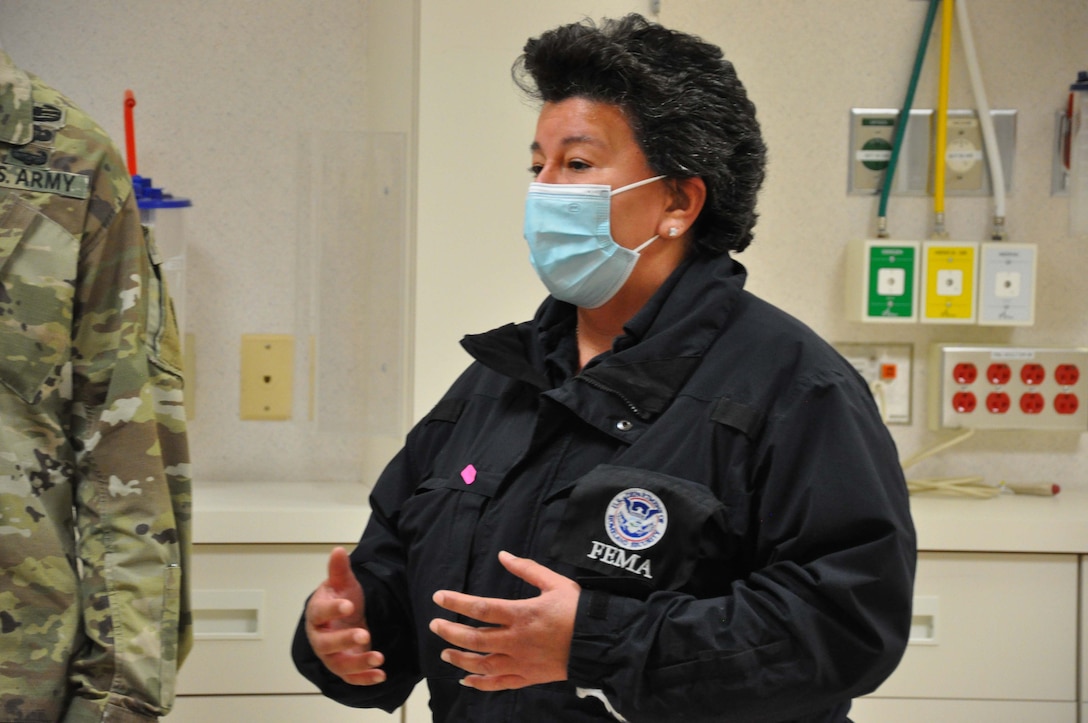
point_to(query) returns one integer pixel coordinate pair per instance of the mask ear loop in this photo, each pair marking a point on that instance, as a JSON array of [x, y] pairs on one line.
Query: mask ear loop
[[636, 184]]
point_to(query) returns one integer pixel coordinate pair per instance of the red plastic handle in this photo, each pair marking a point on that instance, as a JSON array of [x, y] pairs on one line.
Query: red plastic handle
[[130, 132]]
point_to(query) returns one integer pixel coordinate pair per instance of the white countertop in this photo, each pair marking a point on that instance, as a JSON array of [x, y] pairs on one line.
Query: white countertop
[[336, 512], [279, 512], [1006, 523]]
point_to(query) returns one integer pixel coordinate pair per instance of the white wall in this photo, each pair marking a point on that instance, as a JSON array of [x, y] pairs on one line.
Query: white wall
[[226, 89], [227, 94], [805, 65], [473, 270]]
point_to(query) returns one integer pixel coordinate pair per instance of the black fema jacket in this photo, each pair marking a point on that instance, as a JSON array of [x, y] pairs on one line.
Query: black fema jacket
[[720, 484]]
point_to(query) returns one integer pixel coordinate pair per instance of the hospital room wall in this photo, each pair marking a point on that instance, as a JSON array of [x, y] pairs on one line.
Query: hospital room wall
[[805, 67], [226, 90], [805, 63]]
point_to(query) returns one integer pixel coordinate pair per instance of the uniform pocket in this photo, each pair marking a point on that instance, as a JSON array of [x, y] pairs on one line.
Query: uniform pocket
[[169, 629], [437, 528], [163, 336], [632, 531], [38, 262]]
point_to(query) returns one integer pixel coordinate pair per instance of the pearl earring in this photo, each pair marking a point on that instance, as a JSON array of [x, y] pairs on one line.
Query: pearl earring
[[673, 232]]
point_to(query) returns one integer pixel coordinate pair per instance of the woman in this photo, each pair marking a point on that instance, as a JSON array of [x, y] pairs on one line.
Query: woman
[[661, 499]]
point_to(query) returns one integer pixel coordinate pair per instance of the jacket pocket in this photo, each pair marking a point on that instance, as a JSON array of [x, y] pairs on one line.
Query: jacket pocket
[[437, 528], [170, 628], [632, 531], [38, 261], [163, 335]]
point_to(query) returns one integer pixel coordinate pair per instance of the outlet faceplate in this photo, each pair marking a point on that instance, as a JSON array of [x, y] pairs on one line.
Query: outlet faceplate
[[267, 373], [887, 370], [995, 387], [1006, 284], [872, 132]]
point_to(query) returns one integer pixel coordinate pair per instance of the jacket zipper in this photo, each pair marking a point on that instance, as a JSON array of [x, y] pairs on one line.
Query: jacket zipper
[[634, 409]]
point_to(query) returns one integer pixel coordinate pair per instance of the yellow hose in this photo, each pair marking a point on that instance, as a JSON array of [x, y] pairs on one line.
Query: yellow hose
[[941, 146]]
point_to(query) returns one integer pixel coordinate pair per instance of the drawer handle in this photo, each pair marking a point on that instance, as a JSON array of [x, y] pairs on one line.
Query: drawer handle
[[228, 614], [923, 620]]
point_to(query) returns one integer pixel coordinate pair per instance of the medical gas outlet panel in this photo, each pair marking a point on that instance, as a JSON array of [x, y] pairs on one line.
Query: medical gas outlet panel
[[941, 282], [1000, 387]]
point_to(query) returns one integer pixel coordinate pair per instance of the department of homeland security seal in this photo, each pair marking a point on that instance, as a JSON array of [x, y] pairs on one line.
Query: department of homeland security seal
[[635, 519]]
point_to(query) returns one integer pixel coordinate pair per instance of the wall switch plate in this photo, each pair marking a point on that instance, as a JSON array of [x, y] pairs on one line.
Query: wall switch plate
[[998, 387], [887, 370], [267, 376]]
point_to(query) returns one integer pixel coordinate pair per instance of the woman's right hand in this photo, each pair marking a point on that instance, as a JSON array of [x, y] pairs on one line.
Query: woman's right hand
[[336, 625]]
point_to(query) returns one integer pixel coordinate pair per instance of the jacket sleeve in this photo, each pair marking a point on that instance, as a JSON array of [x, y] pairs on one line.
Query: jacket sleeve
[[133, 501], [379, 563], [823, 613]]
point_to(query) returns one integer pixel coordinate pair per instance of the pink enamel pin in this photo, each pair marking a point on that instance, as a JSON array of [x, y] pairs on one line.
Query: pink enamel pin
[[468, 474]]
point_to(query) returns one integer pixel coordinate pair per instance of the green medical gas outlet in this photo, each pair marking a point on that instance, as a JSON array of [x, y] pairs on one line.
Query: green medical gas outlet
[[882, 281]]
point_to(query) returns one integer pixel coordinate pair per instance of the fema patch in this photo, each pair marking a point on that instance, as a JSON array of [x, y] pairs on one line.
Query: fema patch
[[635, 519]]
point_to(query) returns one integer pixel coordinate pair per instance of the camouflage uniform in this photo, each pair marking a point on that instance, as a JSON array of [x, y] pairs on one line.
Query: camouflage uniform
[[95, 499]]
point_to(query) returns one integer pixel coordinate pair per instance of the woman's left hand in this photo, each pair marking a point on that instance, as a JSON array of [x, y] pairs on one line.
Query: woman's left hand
[[524, 642]]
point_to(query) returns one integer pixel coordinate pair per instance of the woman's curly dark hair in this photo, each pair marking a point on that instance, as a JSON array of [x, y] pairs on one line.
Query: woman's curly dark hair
[[686, 106]]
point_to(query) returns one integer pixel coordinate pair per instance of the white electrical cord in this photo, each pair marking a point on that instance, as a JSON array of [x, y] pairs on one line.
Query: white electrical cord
[[989, 136], [877, 389], [911, 461], [964, 486]]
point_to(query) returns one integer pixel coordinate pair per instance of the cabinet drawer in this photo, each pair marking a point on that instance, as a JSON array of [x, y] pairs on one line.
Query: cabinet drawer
[[272, 709], [991, 627], [913, 710], [1084, 636], [247, 600]]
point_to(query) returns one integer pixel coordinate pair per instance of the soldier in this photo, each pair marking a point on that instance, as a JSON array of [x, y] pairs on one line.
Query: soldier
[[95, 501]]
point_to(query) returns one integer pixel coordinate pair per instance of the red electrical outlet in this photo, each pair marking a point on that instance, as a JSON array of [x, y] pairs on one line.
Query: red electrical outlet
[[999, 373], [965, 373], [1067, 374], [995, 387], [998, 402], [1066, 403], [1032, 374], [1032, 403], [964, 402]]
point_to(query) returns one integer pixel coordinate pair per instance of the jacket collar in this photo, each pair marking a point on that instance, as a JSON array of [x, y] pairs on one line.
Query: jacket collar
[[16, 104], [659, 349]]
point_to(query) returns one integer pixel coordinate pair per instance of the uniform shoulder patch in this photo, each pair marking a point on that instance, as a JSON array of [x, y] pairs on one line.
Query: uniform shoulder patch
[[44, 180]]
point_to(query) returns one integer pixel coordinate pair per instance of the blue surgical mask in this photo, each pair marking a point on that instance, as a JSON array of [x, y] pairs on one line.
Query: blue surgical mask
[[568, 228]]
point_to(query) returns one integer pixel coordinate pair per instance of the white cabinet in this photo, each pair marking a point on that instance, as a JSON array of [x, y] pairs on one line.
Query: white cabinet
[[271, 709], [1084, 638], [918, 710], [259, 550], [246, 603], [1000, 588], [994, 638], [991, 627]]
